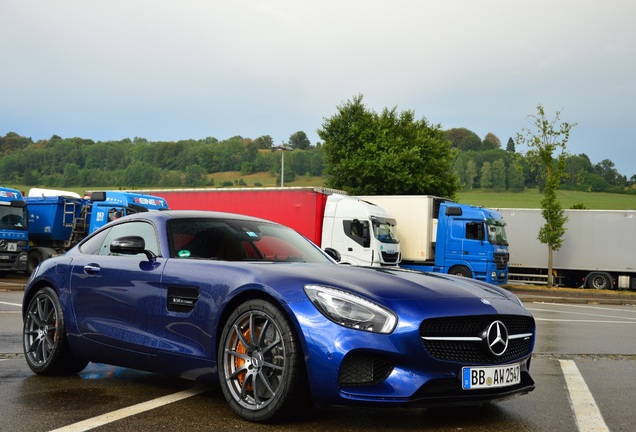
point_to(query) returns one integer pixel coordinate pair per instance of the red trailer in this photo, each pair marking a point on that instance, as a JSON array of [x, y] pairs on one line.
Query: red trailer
[[361, 232], [302, 209]]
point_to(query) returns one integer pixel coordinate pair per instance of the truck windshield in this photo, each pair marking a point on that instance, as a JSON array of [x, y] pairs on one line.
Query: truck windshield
[[385, 231], [497, 232], [12, 217]]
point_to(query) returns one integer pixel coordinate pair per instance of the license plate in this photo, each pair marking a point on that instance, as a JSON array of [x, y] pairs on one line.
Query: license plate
[[5, 257], [474, 378]]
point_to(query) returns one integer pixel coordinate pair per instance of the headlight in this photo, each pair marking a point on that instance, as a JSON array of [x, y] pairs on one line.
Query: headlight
[[351, 311]]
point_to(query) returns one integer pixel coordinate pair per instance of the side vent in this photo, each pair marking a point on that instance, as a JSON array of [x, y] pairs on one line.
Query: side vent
[[182, 299]]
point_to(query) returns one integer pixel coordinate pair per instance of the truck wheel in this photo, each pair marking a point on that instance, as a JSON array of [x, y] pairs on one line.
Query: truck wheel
[[600, 281], [34, 258], [461, 271]]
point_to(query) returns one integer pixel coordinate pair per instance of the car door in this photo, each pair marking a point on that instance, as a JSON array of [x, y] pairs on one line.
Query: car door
[[116, 298]]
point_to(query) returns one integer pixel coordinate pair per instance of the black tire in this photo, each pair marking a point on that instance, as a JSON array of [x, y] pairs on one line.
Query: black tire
[[600, 281], [34, 258], [262, 379], [44, 337], [461, 271]]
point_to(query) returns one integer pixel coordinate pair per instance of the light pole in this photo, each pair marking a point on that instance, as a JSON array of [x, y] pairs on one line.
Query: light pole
[[282, 148]]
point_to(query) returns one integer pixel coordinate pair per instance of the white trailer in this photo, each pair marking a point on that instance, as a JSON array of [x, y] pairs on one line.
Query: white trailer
[[599, 248]]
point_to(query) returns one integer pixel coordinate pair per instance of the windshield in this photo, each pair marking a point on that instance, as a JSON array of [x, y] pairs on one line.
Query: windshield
[[497, 232], [13, 217], [385, 231], [239, 240]]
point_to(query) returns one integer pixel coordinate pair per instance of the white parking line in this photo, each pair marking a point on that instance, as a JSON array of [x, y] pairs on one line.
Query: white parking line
[[587, 314], [112, 416], [586, 412], [11, 304]]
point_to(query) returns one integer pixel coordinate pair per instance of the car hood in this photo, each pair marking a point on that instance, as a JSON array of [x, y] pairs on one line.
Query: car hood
[[392, 284]]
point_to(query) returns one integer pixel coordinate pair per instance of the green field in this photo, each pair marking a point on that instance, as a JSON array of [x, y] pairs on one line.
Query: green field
[[530, 198]]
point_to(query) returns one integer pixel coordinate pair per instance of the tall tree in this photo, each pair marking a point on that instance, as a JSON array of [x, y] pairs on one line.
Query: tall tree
[[490, 142], [546, 138], [299, 141], [486, 176], [389, 153], [463, 139], [510, 146], [515, 178], [499, 175]]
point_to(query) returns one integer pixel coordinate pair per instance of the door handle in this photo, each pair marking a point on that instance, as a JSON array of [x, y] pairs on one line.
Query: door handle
[[92, 268]]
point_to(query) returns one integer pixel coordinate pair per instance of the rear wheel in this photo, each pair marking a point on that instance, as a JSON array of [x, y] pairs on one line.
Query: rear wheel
[[44, 337], [600, 281], [261, 365]]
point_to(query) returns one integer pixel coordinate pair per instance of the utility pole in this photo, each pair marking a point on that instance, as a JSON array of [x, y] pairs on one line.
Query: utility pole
[[283, 147]]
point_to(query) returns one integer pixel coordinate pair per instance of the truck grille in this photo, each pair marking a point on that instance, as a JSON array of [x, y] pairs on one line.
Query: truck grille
[[390, 258], [464, 339], [501, 260]]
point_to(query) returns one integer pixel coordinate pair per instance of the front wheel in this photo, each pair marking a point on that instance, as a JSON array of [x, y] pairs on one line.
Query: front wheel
[[461, 271], [261, 365], [44, 337]]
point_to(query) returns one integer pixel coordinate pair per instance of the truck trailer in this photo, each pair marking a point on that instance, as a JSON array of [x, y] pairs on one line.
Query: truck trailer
[[14, 238], [442, 236], [360, 232], [598, 251], [58, 220]]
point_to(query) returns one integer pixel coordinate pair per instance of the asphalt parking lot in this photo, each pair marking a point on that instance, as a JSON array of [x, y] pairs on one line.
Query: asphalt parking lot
[[588, 335]]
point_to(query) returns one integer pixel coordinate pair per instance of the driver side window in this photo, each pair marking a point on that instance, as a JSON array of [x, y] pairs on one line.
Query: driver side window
[[100, 244]]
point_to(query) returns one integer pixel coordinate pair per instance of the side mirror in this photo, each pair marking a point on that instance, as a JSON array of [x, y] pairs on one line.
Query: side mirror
[[333, 254], [130, 245]]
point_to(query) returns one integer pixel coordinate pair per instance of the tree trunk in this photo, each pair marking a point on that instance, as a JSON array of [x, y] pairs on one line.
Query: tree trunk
[[550, 266]]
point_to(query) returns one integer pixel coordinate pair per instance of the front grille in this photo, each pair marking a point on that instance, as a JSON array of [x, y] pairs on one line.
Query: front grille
[[360, 368], [501, 260], [390, 257], [476, 351]]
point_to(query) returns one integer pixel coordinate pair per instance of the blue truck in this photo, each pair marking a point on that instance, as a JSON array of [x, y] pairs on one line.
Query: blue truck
[[14, 240], [58, 220], [442, 236]]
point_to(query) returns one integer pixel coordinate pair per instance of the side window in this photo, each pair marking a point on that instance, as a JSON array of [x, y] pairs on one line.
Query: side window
[[357, 231], [141, 229], [475, 231], [93, 245]]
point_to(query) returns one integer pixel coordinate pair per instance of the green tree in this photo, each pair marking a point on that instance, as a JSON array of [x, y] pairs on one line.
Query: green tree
[[389, 153], [546, 139], [264, 142], [463, 139], [486, 176], [299, 141], [470, 173], [194, 176], [510, 146], [516, 182], [491, 142], [499, 175]]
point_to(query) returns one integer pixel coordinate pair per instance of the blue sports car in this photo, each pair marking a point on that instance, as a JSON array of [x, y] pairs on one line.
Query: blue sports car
[[258, 309]]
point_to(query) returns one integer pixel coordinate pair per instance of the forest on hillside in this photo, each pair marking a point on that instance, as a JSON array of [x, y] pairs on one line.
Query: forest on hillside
[[71, 162]]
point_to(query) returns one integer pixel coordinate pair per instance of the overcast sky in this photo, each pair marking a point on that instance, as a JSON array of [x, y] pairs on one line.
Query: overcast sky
[[171, 70]]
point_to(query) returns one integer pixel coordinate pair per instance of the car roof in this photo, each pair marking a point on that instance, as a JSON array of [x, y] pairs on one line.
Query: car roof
[[164, 215]]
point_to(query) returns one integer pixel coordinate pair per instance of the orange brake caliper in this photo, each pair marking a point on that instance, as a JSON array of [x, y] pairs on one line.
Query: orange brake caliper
[[239, 362]]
